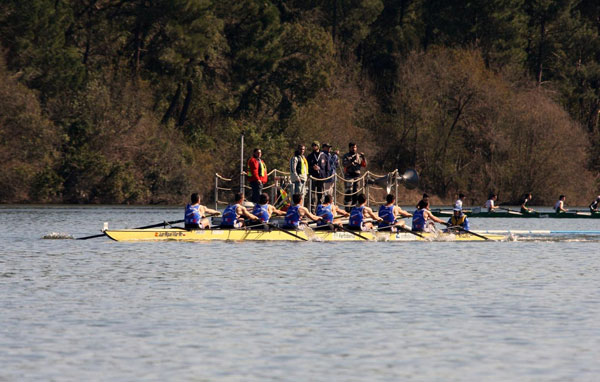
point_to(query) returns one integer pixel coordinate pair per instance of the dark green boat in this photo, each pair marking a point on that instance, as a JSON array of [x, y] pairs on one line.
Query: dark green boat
[[478, 212]]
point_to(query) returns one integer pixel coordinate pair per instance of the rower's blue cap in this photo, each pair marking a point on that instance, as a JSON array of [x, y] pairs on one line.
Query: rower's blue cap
[[457, 209]]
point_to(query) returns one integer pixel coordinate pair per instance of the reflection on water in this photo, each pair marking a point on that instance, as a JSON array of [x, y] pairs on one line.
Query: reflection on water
[[524, 310]]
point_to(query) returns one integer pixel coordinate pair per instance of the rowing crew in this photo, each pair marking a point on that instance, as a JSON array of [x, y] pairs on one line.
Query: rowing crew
[[559, 206], [360, 218]]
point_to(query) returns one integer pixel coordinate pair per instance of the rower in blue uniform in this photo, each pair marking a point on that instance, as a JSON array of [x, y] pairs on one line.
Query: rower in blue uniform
[[263, 210], [295, 213], [423, 220], [234, 214], [389, 213], [458, 219], [327, 210], [195, 214], [359, 213]]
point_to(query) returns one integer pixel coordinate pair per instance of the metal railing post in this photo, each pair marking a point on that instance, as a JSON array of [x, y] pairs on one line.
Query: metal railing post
[[309, 192], [395, 175], [335, 179], [366, 187], [216, 192]]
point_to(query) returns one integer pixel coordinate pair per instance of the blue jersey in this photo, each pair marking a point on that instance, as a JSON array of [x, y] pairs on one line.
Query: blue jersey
[[192, 214], [292, 217], [325, 212], [418, 221], [356, 216], [387, 214], [262, 212], [230, 216]]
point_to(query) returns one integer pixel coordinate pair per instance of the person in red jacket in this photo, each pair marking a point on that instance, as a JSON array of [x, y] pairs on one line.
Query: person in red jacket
[[257, 174]]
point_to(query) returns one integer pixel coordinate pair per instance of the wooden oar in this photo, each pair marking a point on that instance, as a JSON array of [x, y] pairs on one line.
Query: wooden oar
[[283, 230], [511, 211], [347, 230], [467, 231], [403, 229], [164, 223]]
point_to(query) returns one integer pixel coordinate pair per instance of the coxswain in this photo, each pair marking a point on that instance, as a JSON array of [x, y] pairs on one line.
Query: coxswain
[[389, 213], [234, 214], [263, 210], [359, 213], [423, 219], [327, 210], [295, 213], [595, 205], [491, 203], [195, 214], [526, 199], [559, 206], [458, 219]]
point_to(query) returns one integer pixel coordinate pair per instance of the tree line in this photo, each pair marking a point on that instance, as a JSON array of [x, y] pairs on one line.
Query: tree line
[[142, 101]]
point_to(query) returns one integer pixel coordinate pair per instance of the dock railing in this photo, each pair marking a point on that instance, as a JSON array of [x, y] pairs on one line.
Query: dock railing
[[281, 180]]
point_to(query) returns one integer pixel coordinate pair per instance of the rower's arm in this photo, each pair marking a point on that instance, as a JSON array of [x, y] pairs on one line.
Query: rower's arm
[[211, 211], [369, 212], [401, 212], [244, 212], [275, 211], [339, 211], [433, 217], [309, 214]]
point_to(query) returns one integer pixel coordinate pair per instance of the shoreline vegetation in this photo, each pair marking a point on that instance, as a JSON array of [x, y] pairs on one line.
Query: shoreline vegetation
[[137, 102]]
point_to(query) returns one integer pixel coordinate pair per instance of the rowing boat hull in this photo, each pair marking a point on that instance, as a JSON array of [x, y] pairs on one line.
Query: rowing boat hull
[[275, 235], [515, 214]]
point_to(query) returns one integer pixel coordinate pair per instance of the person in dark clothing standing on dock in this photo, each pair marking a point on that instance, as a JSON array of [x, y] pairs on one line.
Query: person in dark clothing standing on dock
[[317, 169], [352, 162]]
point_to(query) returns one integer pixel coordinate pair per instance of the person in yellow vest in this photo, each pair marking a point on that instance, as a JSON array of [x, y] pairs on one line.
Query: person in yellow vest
[[458, 219], [257, 174], [299, 171]]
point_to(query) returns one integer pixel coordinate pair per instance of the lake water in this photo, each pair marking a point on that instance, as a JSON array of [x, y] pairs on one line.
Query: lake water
[[99, 310]]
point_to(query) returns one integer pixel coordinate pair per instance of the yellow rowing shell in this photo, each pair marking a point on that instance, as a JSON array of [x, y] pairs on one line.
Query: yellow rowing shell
[[276, 235]]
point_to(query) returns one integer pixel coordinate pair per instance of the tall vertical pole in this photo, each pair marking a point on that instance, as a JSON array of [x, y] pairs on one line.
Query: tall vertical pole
[[242, 163], [395, 175], [216, 192]]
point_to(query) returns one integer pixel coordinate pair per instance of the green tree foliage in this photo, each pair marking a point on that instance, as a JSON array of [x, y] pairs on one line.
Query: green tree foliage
[[143, 101]]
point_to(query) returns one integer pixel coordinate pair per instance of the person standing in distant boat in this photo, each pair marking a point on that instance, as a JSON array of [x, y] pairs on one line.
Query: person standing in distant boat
[[423, 220], [389, 213], [594, 205], [526, 199], [559, 206], [257, 174], [459, 202], [235, 213], [263, 210], [359, 212], [195, 214], [491, 203]]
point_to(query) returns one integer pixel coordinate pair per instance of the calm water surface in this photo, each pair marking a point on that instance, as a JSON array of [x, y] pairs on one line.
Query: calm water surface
[[525, 310]]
